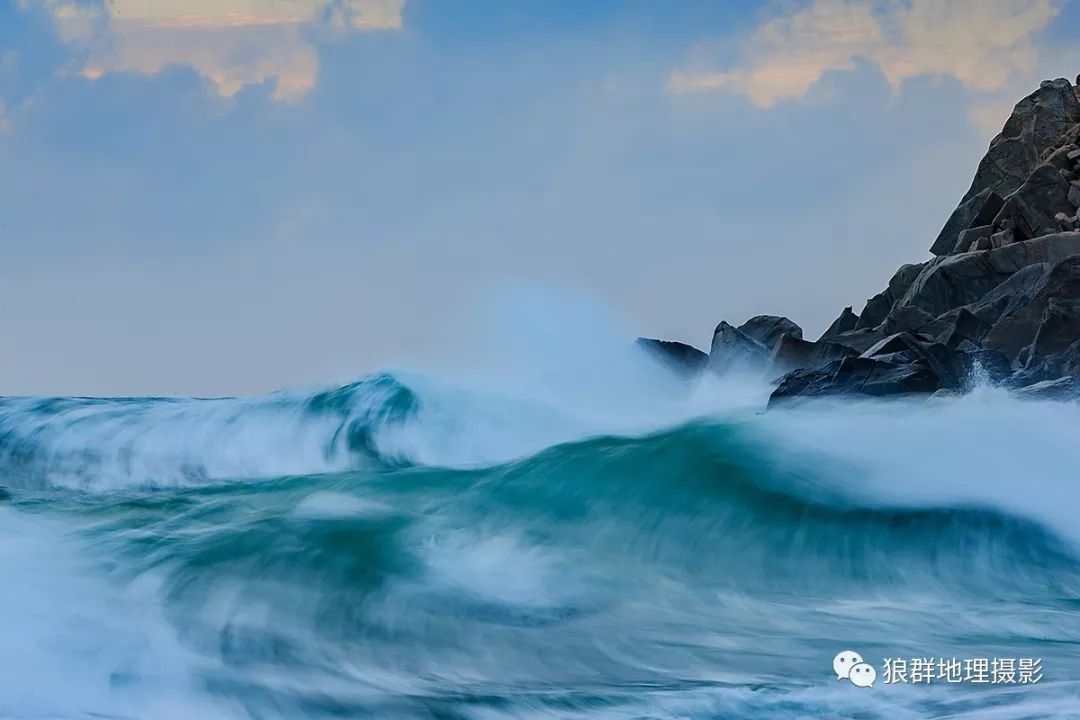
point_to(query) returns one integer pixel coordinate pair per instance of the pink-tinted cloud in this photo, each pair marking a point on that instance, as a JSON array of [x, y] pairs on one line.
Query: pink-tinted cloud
[[985, 44], [231, 43]]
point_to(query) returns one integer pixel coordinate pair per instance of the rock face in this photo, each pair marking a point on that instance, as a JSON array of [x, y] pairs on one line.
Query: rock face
[[999, 302]]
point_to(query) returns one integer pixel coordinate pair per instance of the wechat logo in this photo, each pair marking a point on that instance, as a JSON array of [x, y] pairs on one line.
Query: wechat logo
[[849, 665]]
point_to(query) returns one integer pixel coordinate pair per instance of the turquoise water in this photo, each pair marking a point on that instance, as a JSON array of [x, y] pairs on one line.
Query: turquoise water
[[397, 549]]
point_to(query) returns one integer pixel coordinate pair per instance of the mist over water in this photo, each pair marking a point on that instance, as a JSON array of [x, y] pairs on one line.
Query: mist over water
[[564, 531]]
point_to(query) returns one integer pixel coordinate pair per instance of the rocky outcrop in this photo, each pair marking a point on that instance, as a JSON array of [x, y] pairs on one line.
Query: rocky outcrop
[[1041, 126], [999, 302], [972, 213], [1036, 126], [679, 357], [845, 322]]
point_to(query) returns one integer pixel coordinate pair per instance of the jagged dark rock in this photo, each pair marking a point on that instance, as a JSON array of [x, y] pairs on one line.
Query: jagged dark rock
[[878, 307], [1022, 319], [964, 330], [875, 311], [957, 280], [732, 350], [999, 303], [847, 321], [1063, 364], [909, 318], [681, 358], [792, 352], [768, 329], [978, 210], [990, 306], [856, 376], [858, 340], [906, 348], [1059, 328]]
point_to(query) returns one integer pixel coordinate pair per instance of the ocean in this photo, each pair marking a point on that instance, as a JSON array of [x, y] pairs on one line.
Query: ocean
[[409, 546]]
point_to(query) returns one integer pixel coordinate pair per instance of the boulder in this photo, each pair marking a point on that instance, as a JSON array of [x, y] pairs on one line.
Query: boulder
[[973, 212], [676, 356], [847, 321], [1031, 209], [793, 353], [734, 351], [1037, 123], [768, 329], [856, 376]]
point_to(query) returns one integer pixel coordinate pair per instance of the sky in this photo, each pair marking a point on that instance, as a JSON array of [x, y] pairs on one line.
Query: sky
[[234, 196]]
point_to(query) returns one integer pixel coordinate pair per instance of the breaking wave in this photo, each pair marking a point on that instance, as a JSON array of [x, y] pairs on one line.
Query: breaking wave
[[403, 547]]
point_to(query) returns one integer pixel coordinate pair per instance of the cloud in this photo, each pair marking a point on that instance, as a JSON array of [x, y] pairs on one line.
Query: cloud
[[231, 43], [982, 43]]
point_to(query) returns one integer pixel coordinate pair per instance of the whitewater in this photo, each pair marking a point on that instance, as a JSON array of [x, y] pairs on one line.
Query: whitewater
[[607, 543]]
